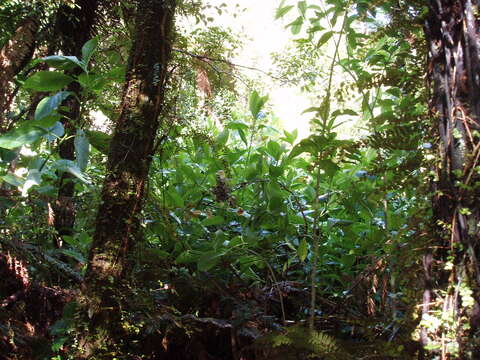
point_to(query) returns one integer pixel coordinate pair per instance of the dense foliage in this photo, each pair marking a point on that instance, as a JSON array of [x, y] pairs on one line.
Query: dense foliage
[[188, 225]]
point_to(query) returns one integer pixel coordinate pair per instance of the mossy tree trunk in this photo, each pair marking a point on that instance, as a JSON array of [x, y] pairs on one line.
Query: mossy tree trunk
[[454, 70], [131, 149]]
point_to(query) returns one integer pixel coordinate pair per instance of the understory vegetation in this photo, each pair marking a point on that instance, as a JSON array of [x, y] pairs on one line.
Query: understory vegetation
[[153, 207]]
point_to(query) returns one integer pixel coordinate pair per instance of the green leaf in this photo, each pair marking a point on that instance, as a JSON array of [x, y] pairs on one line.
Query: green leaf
[[13, 180], [344, 112], [329, 167], [82, 149], [243, 136], [302, 250], [222, 138], [75, 255], [275, 171], [8, 155], [302, 7], [306, 145], [282, 11], [33, 178], [186, 257], [63, 62], [275, 195], [88, 49], [72, 168], [274, 149], [208, 260], [324, 110], [311, 109], [99, 140], [312, 145], [296, 25], [237, 125], [366, 111], [49, 105], [214, 220], [26, 133], [256, 103], [189, 172], [175, 198], [47, 81], [324, 38], [55, 132], [290, 137], [58, 343], [338, 222]]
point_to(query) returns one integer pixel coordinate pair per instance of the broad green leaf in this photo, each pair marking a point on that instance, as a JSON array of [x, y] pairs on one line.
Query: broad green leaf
[[186, 257], [58, 343], [306, 145], [344, 112], [13, 180], [26, 133], [75, 255], [88, 49], [324, 38], [256, 103], [222, 138], [214, 220], [72, 168], [282, 11], [47, 81], [302, 250], [338, 222], [314, 29], [237, 125], [290, 137], [302, 7], [99, 140], [33, 178], [63, 62], [82, 149], [296, 25], [175, 198], [8, 155], [208, 260], [312, 145], [274, 149], [275, 195], [252, 172], [55, 132], [49, 105], [275, 171], [188, 171], [311, 109], [329, 167], [352, 40], [84, 239]]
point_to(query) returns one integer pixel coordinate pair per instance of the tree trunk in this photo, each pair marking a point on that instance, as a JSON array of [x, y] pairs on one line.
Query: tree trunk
[[454, 70], [14, 55], [119, 216], [73, 28]]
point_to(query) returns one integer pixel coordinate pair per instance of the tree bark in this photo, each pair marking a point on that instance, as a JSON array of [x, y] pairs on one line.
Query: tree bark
[[118, 219], [454, 71], [14, 55], [74, 26]]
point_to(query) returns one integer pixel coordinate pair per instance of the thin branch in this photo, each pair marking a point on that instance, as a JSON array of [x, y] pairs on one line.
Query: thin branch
[[206, 59]]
